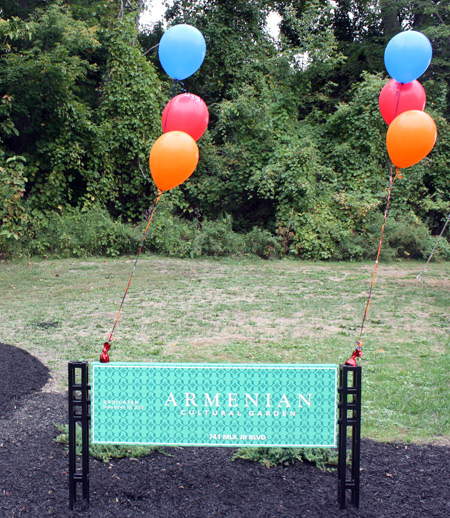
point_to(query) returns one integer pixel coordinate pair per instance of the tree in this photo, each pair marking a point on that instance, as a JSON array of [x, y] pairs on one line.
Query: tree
[[295, 144], [44, 69], [127, 123], [12, 180], [85, 106]]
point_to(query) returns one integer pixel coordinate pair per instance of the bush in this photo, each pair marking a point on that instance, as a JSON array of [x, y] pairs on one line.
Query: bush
[[409, 238], [12, 188], [74, 233], [217, 239], [261, 243], [104, 452], [168, 234], [442, 252], [405, 237], [323, 458]]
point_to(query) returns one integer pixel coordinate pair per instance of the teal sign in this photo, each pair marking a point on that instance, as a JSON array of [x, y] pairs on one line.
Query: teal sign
[[214, 404]]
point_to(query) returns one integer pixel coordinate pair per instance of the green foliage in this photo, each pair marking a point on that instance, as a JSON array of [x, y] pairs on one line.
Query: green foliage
[[442, 251], [294, 155], [104, 452], [296, 179], [128, 121], [237, 47], [218, 239], [74, 233], [261, 243], [12, 187], [174, 237], [408, 238], [86, 107], [353, 137], [7, 127], [12, 181], [168, 234], [322, 458], [46, 65]]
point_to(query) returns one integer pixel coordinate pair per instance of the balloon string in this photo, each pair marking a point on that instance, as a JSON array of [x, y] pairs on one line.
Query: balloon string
[[104, 357], [175, 81], [398, 100], [359, 346], [169, 105], [392, 179]]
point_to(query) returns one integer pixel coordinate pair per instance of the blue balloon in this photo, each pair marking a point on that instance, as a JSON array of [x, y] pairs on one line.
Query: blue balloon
[[407, 56], [182, 50]]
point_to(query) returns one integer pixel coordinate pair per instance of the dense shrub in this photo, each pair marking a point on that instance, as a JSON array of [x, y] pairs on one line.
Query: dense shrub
[[405, 237], [218, 239], [73, 232], [83, 233], [168, 234], [262, 243]]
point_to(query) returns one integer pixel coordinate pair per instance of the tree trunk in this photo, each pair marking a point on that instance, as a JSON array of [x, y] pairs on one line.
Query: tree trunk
[[390, 18]]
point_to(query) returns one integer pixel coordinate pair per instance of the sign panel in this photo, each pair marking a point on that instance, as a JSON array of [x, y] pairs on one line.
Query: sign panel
[[214, 404]]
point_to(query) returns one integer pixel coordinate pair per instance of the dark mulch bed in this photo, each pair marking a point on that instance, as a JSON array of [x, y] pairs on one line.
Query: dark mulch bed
[[396, 480], [20, 375]]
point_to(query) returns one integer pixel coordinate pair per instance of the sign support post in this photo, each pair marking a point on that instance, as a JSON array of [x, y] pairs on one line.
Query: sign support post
[[349, 417], [79, 412]]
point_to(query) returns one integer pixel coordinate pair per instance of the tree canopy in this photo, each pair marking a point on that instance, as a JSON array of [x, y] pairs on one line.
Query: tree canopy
[[295, 145]]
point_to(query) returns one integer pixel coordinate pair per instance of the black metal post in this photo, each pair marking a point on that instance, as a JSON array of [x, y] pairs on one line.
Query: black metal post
[[349, 402], [79, 412]]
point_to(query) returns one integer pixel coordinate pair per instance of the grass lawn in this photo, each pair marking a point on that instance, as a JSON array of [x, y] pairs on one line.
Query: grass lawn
[[248, 311]]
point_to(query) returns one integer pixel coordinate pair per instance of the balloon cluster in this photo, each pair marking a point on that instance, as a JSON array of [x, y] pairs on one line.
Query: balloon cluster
[[412, 132], [174, 156]]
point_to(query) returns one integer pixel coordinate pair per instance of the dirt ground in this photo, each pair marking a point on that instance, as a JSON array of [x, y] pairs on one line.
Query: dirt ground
[[397, 480]]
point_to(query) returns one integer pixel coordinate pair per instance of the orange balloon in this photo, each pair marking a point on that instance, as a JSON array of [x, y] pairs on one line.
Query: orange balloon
[[410, 137], [173, 158]]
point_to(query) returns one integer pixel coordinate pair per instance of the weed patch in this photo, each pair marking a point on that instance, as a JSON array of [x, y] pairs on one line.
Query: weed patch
[[322, 458], [105, 452]]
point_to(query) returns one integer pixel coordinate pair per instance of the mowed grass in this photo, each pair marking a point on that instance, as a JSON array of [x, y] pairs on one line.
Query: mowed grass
[[248, 311]]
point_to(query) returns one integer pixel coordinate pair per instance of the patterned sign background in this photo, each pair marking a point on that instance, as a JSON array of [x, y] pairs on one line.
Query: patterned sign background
[[244, 405]]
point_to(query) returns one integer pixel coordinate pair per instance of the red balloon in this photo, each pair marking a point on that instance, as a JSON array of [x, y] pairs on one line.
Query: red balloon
[[188, 113], [397, 98]]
